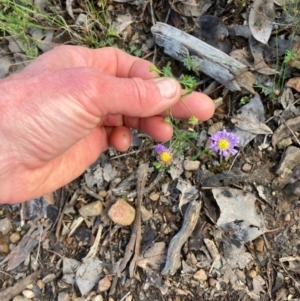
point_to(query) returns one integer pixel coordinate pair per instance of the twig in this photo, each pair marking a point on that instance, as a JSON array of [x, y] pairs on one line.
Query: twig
[[91, 192], [133, 246], [174, 251], [93, 251], [290, 130], [233, 162], [10, 292]]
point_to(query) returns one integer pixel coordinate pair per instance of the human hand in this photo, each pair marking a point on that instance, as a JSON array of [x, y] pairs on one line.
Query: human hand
[[69, 105]]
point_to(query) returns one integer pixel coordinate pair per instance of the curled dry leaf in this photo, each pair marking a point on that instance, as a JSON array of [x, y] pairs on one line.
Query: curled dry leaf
[[261, 18]]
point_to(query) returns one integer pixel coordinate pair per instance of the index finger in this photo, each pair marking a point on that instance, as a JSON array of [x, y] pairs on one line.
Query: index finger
[[109, 60]]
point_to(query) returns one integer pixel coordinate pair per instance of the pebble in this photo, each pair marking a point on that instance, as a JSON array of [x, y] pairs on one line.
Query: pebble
[[4, 248], [246, 167], [104, 284], [191, 165], [154, 196], [103, 193], [63, 296], [287, 217], [121, 213], [40, 284], [5, 225], [91, 209], [252, 273], [212, 281], [200, 275], [215, 128], [146, 215], [188, 174], [28, 294], [15, 237], [259, 244]]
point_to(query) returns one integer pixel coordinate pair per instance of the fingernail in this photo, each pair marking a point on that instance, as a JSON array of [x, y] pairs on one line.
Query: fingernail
[[167, 87]]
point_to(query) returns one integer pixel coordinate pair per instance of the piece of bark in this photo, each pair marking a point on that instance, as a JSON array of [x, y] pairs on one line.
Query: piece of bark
[[209, 60], [10, 292], [174, 251]]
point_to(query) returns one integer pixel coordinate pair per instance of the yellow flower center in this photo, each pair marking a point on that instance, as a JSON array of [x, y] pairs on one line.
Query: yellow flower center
[[223, 144], [165, 157]]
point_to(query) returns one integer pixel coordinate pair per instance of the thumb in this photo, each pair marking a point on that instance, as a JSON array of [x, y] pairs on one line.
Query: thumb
[[132, 97]]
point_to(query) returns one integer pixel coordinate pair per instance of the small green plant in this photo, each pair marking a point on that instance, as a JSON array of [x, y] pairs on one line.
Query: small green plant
[[190, 63], [244, 100], [188, 82], [290, 55], [181, 139], [135, 51]]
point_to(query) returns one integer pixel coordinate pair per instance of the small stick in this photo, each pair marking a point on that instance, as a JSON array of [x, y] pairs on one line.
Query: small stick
[[10, 292]]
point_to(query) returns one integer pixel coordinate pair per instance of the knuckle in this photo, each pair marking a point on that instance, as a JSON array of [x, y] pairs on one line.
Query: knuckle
[[142, 93]]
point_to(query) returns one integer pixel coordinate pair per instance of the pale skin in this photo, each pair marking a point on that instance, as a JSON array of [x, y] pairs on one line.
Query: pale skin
[[71, 104]]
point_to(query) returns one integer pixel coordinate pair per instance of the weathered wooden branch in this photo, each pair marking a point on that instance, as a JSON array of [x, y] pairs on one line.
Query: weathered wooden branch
[[174, 250], [209, 60]]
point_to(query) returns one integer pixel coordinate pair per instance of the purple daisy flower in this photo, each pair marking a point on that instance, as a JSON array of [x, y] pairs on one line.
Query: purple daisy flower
[[159, 148], [224, 142]]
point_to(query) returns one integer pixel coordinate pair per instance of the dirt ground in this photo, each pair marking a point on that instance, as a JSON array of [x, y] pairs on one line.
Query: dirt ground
[[207, 229]]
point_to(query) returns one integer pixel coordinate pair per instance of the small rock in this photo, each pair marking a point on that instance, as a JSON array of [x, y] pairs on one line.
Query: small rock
[[212, 281], [146, 215], [246, 167], [63, 296], [287, 217], [121, 213], [191, 165], [97, 298], [103, 193], [259, 244], [20, 298], [40, 284], [15, 237], [28, 294], [188, 174], [154, 196], [5, 225], [104, 284], [215, 128], [252, 273], [200, 275], [91, 209], [4, 248]]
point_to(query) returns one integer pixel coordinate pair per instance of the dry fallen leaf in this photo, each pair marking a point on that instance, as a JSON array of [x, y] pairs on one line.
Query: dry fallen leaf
[[260, 65], [261, 19], [153, 257], [294, 83], [249, 121], [286, 129], [238, 218], [191, 7]]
